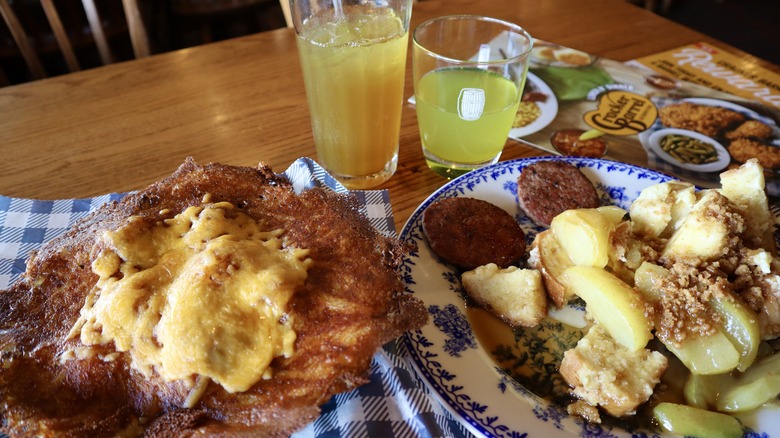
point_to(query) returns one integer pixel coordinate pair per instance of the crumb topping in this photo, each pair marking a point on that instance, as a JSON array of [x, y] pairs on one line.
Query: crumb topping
[[683, 308], [739, 272]]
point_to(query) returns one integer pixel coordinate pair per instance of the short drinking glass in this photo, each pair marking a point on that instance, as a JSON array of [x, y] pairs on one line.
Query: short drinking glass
[[469, 74], [353, 57]]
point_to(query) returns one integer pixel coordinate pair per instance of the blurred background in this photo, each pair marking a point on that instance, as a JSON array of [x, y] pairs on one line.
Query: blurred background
[[751, 25], [168, 24]]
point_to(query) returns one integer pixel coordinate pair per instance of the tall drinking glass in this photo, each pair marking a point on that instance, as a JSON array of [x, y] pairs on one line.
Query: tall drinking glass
[[353, 57], [469, 74]]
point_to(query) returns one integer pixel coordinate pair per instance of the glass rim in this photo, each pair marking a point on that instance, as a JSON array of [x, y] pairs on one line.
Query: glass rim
[[511, 26]]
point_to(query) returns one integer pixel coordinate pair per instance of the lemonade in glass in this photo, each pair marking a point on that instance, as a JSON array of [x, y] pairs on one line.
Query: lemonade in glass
[[353, 60], [469, 75]]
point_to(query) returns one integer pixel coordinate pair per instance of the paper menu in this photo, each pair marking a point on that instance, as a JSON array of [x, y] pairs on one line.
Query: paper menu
[[710, 66], [626, 103]]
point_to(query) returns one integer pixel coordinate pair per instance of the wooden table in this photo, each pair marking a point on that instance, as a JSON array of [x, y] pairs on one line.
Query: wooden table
[[241, 101]]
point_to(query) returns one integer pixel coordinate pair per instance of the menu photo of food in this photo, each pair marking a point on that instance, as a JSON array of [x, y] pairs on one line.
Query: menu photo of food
[[708, 135], [538, 107], [549, 54], [576, 104]]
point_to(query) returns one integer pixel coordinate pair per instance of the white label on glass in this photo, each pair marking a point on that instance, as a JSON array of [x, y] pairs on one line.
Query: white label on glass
[[471, 103]]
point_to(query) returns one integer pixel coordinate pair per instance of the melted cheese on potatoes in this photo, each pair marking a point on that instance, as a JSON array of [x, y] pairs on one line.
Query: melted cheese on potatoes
[[203, 294]]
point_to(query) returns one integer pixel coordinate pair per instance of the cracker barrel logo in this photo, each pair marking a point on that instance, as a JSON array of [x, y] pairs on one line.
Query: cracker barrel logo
[[471, 103], [621, 112]]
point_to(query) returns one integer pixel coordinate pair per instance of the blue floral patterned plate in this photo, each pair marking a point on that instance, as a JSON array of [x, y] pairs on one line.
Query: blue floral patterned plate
[[497, 381]]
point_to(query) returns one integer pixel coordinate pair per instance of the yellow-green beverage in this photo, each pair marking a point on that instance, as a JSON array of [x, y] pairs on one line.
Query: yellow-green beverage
[[464, 116], [353, 68]]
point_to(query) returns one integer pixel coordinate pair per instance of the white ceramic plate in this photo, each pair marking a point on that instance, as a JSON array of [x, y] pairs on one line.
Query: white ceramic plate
[[451, 352], [548, 109], [723, 157]]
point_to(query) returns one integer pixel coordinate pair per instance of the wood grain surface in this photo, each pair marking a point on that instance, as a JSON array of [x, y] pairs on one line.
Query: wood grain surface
[[242, 101]]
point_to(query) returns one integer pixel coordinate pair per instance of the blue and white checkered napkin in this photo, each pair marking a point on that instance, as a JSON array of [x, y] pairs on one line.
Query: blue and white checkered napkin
[[395, 403]]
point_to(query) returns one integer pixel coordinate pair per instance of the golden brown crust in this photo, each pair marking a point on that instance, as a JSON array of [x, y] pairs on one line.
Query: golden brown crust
[[352, 303], [704, 119], [743, 149], [750, 129]]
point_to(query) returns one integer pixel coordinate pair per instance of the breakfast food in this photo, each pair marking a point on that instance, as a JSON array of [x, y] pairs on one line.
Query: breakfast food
[[704, 119], [215, 301], [468, 233], [569, 142], [682, 303], [697, 271], [547, 188], [515, 295], [604, 373]]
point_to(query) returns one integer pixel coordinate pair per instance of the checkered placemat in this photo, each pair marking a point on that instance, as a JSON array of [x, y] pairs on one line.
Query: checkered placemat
[[395, 403]]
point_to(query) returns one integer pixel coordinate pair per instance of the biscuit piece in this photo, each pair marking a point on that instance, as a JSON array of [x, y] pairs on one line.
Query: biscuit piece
[[515, 295], [470, 232], [547, 188], [604, 373]]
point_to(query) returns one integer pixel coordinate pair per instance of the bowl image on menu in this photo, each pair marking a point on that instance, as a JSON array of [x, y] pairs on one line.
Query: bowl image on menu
[[689, 150], [569, 142]]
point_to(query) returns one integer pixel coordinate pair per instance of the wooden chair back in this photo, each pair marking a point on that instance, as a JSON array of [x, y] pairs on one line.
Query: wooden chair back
[[285, 4], [135, 27]]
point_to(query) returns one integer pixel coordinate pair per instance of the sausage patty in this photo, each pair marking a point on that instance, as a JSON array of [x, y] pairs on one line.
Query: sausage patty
[[469, 232], [547, 188]]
